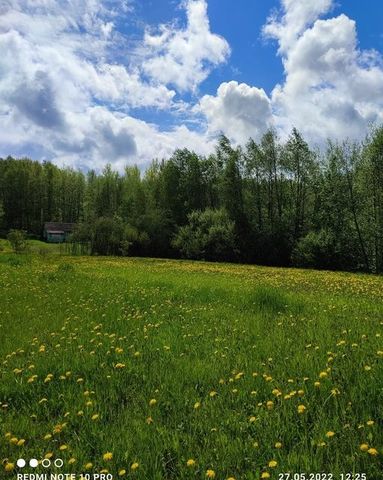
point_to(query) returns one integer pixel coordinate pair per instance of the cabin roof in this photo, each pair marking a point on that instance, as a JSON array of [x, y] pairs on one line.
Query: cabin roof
[[58, 227]]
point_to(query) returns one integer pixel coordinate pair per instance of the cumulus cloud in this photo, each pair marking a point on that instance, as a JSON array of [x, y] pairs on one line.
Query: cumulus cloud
[[64, 97], [331, 88], [183, 57], [238, 110]]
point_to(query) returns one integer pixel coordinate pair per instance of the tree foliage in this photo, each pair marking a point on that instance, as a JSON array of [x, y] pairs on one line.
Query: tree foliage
[[268, 202]]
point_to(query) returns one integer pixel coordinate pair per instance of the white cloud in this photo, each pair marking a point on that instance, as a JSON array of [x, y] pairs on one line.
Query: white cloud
[[63, 97], [238, 110], [184, 57], [331, 89]]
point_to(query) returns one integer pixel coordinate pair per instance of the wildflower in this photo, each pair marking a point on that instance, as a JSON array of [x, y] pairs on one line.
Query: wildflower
[[317, 384], [134, 466], [149, 420], [364, 447], [21, 442], [88, 466], [269, 404], [9, 467], [95, 416], [212, 394], [71, 461], [107, 456], [330, 434], [372, 451], [323, 375], [63, 447], [252, 419], [190, 462], [122, 472], [273, 463], [210, 473], [302, 408], [370, 423], [152, 402], [197, 405], [278, 445], [265, 475]]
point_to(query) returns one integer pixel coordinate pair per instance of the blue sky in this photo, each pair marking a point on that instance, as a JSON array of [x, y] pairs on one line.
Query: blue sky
[[83, 83]]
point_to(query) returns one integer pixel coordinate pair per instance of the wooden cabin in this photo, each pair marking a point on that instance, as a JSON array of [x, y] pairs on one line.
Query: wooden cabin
[[57, 232]]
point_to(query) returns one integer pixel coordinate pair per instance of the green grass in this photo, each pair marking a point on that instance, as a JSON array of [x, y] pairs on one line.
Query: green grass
[[180, 331]]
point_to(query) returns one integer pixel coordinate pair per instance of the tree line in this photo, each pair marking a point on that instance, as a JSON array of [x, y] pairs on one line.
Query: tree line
[[271, 202]]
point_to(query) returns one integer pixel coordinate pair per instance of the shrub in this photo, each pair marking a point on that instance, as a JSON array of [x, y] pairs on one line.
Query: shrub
[[17, 240], [209, 235]]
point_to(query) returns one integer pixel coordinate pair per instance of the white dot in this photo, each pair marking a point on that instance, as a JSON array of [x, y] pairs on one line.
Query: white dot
[[33, 463], [21, 462]]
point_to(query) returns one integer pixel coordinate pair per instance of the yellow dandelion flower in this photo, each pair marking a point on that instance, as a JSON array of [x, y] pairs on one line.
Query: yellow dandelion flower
[[96, 416], [364, 447], [71, 461], [252, 419], [210, 473], [191, 462], [121, 472], [372, 451], [134, 466], [88, 466], [107, 456], [278, 445], [273, 463], [323, 375], [197, 405], [9, 467], [265, 475], [212, 394], [152, 402], [302, 409], [370, 423], [48, 455], [330, 434], [21, 442]]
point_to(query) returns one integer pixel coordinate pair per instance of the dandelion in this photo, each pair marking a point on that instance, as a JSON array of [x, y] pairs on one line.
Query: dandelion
[[269, 405], [21, 442], [372, 451], [212, 394], [265, 475], [121, 472], [197, 405], [364, 447], [96, 416], [210, 473], [134, 466], [71, 461], [88, 466], [273, 463], [370, 423], [152, 402], [107, 456], [191, 462], [9, 467], [323, 375], [252, 419], [330, 434], [278, 445], [302, 409]]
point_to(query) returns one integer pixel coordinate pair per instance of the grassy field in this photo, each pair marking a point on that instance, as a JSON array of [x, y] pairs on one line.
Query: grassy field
[[153, 369]]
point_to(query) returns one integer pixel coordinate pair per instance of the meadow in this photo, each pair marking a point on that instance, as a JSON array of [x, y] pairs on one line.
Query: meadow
[[160, 369]]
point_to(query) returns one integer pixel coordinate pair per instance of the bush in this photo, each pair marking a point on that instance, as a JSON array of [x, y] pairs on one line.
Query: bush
[[17, 240], [316, 250], [209, 235]]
